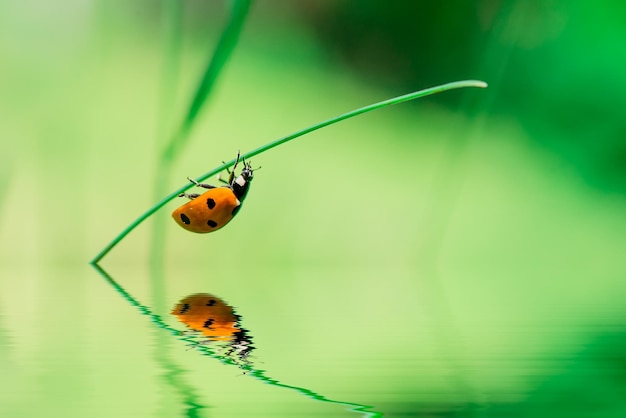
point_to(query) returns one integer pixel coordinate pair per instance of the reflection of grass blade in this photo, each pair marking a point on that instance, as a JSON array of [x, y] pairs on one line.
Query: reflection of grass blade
[[354, 407], [248, 369], [266, 147], [222, 53]]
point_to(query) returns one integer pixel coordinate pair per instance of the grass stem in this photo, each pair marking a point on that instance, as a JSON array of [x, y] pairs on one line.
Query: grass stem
[[273, 144]]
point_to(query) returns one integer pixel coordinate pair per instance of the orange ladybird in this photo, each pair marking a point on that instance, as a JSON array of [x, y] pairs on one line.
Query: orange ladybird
[[213, 209], [209, 315]]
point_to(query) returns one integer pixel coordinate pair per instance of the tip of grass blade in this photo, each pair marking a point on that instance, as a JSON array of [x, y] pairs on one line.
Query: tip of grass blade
[[467, 83]]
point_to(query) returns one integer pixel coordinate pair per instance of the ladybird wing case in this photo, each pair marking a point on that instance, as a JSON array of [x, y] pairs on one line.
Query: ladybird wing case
[[209, 211], [207, 314]]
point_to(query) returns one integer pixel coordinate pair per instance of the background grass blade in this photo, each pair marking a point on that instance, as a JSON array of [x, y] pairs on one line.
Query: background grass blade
[[178, 133], [171, 29], [226, 45]]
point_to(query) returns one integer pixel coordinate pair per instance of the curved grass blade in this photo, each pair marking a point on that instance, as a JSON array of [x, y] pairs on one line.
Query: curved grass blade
[[273, 144]]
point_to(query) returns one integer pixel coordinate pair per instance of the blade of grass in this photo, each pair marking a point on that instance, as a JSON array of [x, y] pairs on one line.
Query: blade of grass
[[270, 145], [225, 46]]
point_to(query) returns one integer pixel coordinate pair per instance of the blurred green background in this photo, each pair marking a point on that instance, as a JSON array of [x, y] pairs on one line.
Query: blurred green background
[[461, 255]]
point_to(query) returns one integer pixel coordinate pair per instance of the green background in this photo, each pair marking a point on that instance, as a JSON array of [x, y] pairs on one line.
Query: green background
[[461, 255]]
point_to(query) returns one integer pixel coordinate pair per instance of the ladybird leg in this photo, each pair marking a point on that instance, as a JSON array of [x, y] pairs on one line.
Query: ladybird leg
[[204, 185], [219, 177], [231, 176], [190, 196]]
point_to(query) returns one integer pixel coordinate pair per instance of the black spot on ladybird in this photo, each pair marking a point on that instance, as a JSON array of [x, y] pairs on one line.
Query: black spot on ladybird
[[211, 302], [208, 323], [236, 210], [185, 219], [210, 203], [184, 309], [211, 223]]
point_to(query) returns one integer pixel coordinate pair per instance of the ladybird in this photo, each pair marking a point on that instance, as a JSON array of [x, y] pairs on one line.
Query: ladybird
[[216, 207], [208, 315], [212, 322]]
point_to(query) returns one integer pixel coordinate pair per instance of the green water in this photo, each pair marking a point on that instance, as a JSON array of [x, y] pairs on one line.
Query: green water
[[414, 262]]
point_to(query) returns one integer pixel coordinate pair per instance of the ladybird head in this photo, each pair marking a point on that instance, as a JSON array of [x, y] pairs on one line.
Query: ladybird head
[[247, 172], [241, 183]]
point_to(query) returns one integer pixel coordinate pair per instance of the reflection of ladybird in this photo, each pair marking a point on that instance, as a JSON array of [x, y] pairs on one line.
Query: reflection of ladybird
[[209, 315], [215, 208]]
